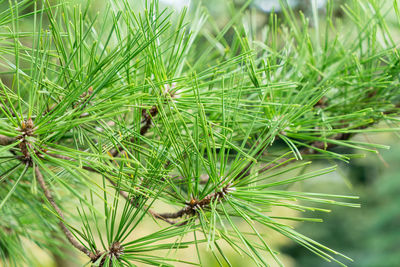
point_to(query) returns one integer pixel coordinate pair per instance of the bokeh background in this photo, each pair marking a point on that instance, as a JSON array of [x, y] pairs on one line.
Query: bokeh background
[[369, 235]]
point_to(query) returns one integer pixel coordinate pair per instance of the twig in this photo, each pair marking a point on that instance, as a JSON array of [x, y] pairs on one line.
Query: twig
[[148, 119], [5, 140], [194, 205], [67, 232], [191, 207]]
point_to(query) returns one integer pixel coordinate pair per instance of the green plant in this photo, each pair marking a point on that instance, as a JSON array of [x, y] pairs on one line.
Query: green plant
[[134, 108]]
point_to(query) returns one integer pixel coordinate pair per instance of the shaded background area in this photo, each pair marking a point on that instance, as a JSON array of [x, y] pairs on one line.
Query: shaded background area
[[369, 235]]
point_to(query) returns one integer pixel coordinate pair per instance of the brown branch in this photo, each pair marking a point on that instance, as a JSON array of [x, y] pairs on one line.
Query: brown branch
[[194, 205], [148, 115], [67, 232], [5, 140], [115, 249]]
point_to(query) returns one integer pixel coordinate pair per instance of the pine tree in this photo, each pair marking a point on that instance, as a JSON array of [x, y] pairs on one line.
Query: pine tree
[[108, 118]]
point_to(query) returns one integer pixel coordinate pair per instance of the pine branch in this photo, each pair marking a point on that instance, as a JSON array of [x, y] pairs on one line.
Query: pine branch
[[66, 231], [195, 205], [289, 86]]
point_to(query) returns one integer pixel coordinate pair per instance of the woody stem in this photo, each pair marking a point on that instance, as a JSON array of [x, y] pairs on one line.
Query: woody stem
[[66, 231]]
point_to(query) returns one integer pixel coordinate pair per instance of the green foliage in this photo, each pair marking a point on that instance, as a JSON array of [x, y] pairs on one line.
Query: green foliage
[[137, 107]]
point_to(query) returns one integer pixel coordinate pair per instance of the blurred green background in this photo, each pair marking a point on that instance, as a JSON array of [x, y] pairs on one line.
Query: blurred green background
[[369, 235]]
